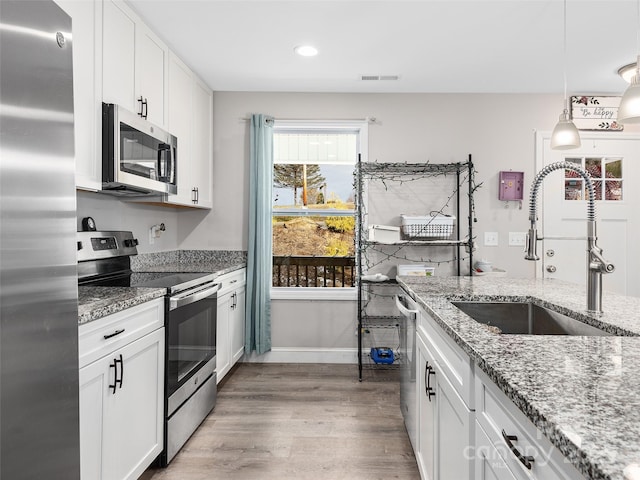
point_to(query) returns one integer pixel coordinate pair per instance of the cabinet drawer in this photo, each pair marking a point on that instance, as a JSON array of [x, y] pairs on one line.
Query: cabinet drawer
[[496, 414], [101, 337], [230, 281], [455, 363]]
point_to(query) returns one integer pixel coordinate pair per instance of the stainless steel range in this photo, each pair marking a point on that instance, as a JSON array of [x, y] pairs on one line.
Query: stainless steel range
[[190, 325]]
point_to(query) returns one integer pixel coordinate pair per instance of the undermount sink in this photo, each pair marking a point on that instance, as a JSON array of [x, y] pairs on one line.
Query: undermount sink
[[526, 318]]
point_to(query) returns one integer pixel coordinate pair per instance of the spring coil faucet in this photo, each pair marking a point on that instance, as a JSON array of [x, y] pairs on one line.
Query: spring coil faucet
[[596, 264]]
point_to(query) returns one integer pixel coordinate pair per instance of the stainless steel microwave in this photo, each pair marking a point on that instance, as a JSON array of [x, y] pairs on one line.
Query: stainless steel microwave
[[138, 158]]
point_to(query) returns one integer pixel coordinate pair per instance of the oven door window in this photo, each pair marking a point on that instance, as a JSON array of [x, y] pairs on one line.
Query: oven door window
[[143, 155], [191, 340]]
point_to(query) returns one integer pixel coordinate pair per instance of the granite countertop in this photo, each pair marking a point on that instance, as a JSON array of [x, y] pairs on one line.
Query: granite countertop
[[98, 302], [581, 392], [218, 262], [219, 267]]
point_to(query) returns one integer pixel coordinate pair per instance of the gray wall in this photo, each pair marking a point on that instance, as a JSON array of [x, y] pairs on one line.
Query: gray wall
[[497, 129]]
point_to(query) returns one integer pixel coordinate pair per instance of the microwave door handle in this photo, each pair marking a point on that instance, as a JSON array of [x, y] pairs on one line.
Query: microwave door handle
[[169, 164], [180, 301], [162, 163]]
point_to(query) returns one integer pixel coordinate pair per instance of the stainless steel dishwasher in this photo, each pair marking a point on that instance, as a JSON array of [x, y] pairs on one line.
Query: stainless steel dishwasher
[[408, 393]]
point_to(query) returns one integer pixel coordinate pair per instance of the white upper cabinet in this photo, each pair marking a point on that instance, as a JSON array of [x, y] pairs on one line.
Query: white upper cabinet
[[190, 115], [152, 67], [118, 59], [119, 36], [135, 64], [180, 125], [202, 147], [87, 85]]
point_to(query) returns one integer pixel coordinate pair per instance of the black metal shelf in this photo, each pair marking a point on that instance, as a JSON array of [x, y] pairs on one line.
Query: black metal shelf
[[417, 243], [399, 172], [378, 321]]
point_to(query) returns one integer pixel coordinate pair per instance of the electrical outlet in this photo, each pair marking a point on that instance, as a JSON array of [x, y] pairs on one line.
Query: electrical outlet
[[490, 239], [517, 239]]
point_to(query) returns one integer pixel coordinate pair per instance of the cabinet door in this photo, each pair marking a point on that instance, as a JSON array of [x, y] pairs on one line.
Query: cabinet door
[[94, 380], [180, 125], [454, 430], [151, 72], [87, 85], [237, 326], [118, 50], [202, 149], [133, 415], [223, 347], [489, 465], [425, 454]]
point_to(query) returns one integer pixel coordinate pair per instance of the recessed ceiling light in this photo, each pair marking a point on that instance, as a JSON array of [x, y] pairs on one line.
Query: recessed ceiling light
[[306, 50]]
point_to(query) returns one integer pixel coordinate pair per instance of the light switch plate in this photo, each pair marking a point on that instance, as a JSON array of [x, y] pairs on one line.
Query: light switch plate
[[517, 239], [490, 239]]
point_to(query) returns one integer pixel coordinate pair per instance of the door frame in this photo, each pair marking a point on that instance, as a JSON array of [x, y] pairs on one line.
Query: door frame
[[540, 137]]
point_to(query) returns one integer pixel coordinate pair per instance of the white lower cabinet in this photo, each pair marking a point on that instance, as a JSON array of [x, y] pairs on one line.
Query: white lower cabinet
[[517, 443], [425, 454], [489, 465], [446, 424], [230, 321], [122, 392], [468, 429]]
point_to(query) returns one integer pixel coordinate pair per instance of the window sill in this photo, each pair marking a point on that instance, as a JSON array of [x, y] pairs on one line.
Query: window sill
[[314, 293]]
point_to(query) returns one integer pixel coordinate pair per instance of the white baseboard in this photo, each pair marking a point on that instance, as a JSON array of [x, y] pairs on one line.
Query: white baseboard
[[305, 355]]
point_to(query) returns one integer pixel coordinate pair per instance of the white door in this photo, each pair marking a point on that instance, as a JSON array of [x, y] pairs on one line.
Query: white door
[[425, 454], [612, 160], [133, 408], [223, 348], [237, 326], [454, 431]]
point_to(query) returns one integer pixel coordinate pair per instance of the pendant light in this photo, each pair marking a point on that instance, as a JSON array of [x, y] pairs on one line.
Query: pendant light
[[629, 110], [565, 135]]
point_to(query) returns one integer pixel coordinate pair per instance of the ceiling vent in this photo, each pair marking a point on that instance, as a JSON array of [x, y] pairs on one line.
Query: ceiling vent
[[379, 77]]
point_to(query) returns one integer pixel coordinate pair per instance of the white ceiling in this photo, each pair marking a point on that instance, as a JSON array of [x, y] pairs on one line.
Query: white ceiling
[[492, 46]]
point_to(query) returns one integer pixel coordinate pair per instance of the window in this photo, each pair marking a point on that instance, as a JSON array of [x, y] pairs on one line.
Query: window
[[606, 174], [313, 210]]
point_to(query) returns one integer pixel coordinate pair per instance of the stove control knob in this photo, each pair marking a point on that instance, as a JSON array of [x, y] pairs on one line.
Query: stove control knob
[[131, 242]]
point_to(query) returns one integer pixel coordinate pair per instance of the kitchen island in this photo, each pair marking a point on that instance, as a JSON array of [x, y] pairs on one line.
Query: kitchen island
[[580, 392]]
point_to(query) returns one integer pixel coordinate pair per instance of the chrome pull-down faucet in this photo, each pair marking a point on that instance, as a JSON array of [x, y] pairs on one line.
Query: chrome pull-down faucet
[[596, 264]]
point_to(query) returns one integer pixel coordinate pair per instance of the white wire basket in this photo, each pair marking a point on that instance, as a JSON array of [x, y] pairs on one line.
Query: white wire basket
[[427, 227]]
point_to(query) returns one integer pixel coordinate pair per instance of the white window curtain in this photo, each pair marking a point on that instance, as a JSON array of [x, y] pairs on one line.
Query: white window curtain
[[259, 263]]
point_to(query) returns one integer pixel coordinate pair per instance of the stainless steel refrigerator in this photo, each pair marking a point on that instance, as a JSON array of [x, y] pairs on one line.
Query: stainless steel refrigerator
[[38, 286]]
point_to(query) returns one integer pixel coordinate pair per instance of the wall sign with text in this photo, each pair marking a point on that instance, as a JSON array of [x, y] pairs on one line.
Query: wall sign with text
[[595, 113]]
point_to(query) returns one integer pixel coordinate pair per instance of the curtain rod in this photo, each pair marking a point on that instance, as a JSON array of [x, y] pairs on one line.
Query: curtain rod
[[366, 119]]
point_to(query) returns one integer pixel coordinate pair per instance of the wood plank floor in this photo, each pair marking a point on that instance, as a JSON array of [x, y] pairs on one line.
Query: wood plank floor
[[283, 421]]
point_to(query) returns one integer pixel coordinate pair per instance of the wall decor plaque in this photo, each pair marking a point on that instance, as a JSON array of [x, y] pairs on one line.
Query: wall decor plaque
[[595, 113]]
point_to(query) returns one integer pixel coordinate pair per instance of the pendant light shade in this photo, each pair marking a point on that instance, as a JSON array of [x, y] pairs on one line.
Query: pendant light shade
[[565, 135], [629, 110]]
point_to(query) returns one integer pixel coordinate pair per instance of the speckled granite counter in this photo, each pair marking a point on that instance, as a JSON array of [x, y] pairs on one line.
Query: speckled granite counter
[[218, 262], [583, 393], [98, 302]]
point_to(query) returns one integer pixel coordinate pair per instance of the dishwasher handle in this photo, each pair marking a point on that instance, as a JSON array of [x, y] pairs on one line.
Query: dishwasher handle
[[411, 314], [186, 298]]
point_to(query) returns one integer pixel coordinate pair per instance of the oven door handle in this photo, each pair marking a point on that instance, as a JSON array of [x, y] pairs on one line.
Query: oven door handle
[[187, 298]]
